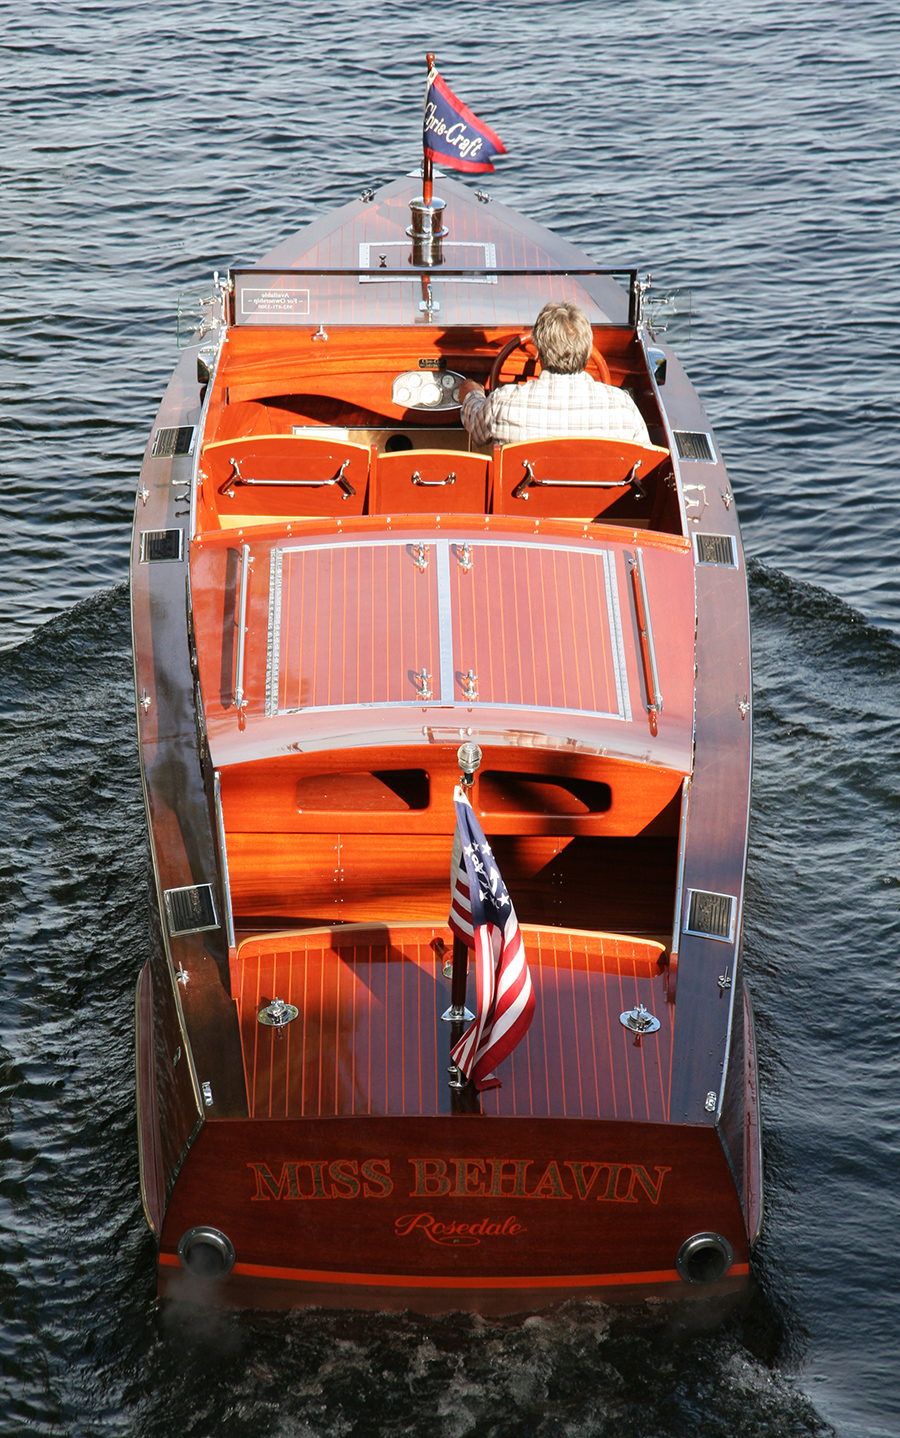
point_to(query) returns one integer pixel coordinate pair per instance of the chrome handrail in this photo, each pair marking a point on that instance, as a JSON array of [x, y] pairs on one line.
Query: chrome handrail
[[433, 483], [531, 481], [338, 479], [646, 628], [239, 700]]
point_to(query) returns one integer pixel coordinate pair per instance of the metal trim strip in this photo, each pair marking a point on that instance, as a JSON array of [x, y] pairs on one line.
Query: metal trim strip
[[273, 638], [445, 628], [223, 852], [457, 704], [620, 668], [445, 619]]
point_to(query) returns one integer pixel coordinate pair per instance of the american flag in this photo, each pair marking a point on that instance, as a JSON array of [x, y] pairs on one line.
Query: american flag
[[482, 915]]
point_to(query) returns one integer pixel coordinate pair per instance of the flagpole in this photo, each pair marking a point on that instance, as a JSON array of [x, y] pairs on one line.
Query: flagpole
[[427, 167]]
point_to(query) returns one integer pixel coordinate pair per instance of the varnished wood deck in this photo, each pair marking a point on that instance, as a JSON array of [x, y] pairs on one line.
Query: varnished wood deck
[[369, 1038]]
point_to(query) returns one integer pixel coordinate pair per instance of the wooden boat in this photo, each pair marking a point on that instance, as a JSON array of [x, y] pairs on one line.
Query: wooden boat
[[332, 591]]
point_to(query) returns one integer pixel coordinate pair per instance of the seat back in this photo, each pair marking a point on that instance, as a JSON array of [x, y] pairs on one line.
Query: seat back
[[282, 474], [430, 481], [574, 477]]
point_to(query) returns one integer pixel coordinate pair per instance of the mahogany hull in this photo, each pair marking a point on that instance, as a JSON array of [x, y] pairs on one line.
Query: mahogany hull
[[388, 1199], [433, 1214]]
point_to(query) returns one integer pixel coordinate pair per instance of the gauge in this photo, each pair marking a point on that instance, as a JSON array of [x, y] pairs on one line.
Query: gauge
[[430, 393]]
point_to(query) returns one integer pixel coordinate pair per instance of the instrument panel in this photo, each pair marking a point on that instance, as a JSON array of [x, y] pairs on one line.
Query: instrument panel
[[427, 389]]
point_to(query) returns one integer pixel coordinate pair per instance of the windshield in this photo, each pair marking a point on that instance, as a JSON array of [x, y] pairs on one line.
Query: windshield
[[393, 292]]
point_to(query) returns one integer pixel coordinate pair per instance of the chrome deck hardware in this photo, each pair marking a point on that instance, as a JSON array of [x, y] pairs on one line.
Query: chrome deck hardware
[[239, 700], [433, 483], [470, 685], [709, 1102], [639, 1020], [423, 681], [464, 557], [277, 1014], [429, 305], [427, 232], [420, 555], [648, 649], [238, 478], [468, 756]]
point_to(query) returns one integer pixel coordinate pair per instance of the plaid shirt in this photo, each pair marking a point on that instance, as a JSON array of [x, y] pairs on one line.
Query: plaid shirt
[[553, 405]]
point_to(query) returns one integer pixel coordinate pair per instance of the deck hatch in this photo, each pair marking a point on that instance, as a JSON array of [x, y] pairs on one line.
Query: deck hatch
[[716, 549], [173, 440], [191, 909], [710, 915], [694, 444], [162, 546], [357, 625]]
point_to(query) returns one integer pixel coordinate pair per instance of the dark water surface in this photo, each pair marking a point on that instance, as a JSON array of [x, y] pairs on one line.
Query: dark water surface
[[747, 151]]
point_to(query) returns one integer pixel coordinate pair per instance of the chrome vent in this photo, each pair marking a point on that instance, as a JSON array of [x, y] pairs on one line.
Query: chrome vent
[[177, 439], [711, 915], [162, 546], [191, 909], [694, 446], [716, 549]]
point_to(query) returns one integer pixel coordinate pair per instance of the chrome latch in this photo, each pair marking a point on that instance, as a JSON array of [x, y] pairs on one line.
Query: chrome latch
[[423, 682], [639, 1020], [420, 555], [470, 685], [464, 557], [277, 1014]]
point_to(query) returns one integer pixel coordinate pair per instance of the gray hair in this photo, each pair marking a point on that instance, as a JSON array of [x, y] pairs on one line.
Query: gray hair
[[563, 338]]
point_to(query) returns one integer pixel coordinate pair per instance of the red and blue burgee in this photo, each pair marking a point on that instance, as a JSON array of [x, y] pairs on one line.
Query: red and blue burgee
[[482, 915], [452, 135]]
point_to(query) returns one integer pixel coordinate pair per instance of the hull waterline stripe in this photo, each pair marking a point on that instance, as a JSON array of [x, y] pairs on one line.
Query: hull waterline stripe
[[400, 1280]]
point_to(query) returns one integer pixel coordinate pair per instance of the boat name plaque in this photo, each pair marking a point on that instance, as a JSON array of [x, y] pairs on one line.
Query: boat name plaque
[[432, 1178]]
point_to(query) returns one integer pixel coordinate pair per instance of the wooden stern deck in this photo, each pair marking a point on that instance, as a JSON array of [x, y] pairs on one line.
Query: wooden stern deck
[[369, 1038]]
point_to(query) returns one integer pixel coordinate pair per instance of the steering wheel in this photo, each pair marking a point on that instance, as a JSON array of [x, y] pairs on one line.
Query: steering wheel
[[524, 341]]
